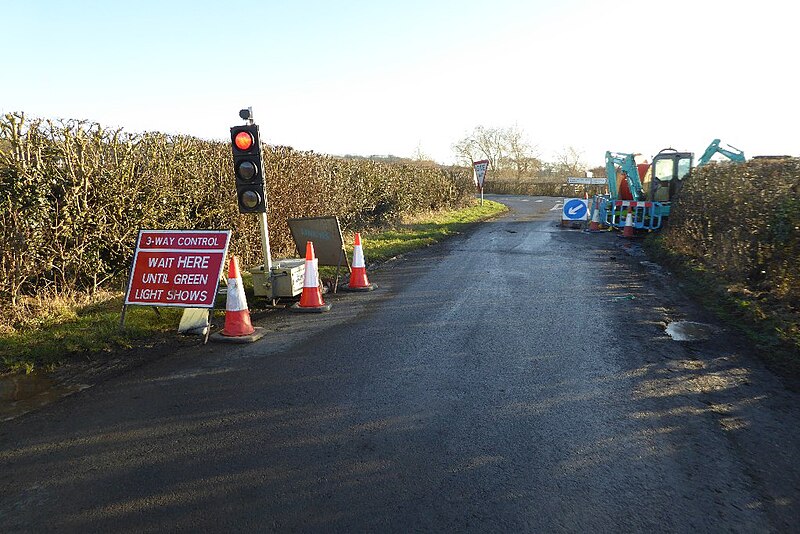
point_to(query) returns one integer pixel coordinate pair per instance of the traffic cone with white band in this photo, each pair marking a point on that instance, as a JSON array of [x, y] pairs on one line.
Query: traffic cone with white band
[[627, 231], [358, 276], [594, 226], [311, 298], [238, 328]]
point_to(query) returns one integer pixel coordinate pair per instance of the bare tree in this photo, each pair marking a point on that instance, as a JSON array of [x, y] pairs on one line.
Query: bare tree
[[466, 151], [569, 162], [421, 157], [490, 143], [505, 148], [481, 143], [520, 152]]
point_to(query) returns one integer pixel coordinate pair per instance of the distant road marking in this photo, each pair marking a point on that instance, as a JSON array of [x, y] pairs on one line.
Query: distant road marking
[[557, 207], [526, 200], [538, 200]]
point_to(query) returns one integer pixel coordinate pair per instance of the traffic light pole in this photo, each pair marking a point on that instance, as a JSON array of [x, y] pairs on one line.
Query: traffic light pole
[[265, 243]]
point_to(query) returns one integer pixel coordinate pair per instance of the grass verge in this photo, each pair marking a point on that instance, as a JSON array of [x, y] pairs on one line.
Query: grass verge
[[423, 230], [771, 325], [51, 330]]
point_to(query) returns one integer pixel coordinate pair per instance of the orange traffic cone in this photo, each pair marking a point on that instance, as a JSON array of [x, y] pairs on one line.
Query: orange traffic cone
[[358, 276], [311, 298], [594, 226], [628, 230], [238, 328], [237, 316]]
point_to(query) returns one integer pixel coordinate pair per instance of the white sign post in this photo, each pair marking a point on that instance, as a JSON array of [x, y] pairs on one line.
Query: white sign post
[[479, 174]]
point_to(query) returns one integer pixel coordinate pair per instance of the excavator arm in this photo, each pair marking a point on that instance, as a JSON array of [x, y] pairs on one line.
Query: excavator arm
[[626, 164], [732, 153]]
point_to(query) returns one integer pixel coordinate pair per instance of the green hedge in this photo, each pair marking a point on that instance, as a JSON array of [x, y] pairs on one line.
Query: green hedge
[[742, 223], [73, 195], [540, 188]]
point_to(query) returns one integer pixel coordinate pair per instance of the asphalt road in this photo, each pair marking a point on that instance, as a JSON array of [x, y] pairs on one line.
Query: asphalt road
[[514, 379]]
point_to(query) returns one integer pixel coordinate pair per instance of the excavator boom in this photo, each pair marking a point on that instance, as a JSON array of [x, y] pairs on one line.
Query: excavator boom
[[626, 164], [731, 152]]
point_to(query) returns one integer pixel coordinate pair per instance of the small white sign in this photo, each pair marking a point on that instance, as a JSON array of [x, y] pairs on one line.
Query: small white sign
[[586, 181]]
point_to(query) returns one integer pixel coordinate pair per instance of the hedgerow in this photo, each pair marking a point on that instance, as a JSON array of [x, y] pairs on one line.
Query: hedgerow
[[73, 195]]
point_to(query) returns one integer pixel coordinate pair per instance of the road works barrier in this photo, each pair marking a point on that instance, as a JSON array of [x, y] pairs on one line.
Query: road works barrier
[[646, 215]]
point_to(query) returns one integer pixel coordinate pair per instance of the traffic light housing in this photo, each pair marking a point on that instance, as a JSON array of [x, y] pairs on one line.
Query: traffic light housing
[[248, 166]]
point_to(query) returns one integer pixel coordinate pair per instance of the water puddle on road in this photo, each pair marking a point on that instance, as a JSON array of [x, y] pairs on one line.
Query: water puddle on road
[[689, 331], [20, 394]]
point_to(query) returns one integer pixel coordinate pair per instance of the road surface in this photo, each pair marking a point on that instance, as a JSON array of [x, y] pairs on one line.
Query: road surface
[[514, 379]]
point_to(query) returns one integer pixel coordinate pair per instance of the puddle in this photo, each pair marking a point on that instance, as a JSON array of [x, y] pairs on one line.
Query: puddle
[[20, 394], [689, 331], [650, 265]]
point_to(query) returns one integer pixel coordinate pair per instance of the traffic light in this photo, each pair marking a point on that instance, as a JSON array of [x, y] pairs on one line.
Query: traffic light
[[248, 167]]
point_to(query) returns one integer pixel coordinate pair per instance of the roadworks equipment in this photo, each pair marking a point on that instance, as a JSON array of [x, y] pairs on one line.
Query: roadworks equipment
[[238, 328], [627, 231], [237, 316], [311, 298], [594, 226], [358, 275]]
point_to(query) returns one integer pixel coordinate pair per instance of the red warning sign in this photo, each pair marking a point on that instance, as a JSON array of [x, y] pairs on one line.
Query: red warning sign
[[177, 267]]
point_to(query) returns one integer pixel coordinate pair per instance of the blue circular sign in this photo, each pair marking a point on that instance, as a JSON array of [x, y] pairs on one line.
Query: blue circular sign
[[575, 209]]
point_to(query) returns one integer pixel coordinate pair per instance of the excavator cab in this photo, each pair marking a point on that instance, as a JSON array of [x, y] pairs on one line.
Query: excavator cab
[[669, 168]]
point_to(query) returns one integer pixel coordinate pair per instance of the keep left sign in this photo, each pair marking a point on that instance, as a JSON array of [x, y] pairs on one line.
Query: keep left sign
[[177, 267], [575, 209]]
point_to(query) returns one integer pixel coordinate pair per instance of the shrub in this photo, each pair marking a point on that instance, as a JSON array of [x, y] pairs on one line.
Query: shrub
[[74, 194]]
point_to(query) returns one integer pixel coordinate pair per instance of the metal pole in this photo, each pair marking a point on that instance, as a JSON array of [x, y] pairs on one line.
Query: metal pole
[[265, 243]]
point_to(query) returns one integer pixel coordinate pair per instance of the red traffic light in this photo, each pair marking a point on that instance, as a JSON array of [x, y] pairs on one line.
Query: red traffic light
[[247, 166], [243, 141]]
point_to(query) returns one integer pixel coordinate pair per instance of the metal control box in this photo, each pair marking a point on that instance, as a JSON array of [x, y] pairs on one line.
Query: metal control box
[[284, 281]]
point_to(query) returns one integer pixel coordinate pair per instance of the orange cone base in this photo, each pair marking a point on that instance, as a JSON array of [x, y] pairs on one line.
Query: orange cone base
[[310, 309], [358, 281], [237, 323], [628, 233], [257, 334], [370, 287], [311, 297]]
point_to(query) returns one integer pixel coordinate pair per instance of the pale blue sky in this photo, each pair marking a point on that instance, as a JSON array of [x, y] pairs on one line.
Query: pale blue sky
[[378, 77]]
